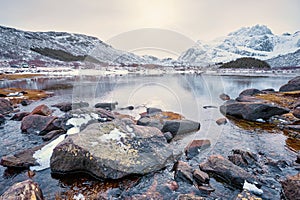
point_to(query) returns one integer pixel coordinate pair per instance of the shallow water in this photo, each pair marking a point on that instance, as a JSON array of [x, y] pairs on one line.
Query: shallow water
[[185, 94]]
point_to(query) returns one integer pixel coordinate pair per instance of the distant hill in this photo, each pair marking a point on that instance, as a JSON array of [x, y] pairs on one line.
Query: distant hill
[[247, 63]]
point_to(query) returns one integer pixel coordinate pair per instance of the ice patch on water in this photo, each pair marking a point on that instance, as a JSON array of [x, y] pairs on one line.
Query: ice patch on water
[[43, 155], [252, 188]]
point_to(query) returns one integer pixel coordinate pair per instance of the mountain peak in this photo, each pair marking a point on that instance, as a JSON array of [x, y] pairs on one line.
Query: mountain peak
[[251, 31]]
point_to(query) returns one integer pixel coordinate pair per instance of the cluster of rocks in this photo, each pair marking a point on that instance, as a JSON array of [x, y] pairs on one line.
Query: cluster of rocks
[[268, 106]]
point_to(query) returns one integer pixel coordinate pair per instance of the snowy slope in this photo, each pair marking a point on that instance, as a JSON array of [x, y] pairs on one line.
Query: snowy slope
[[18, 45], [257, 41]]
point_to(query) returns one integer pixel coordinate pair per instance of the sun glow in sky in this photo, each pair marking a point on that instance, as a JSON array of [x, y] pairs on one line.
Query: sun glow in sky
[[195, 19]]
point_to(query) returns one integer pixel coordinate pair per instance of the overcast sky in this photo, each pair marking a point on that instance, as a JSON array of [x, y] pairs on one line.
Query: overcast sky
[[194, 19]]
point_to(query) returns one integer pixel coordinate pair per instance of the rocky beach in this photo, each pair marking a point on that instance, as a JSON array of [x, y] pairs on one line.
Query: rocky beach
[[236, 148]]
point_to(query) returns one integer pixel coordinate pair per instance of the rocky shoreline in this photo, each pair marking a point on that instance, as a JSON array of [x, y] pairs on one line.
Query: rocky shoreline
[[108, 145]]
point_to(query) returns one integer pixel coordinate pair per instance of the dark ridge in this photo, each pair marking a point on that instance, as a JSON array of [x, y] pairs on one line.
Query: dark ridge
[[247, 63]]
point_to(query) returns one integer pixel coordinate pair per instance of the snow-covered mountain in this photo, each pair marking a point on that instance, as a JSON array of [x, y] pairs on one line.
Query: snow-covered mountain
[[59, 47], [257, 41]]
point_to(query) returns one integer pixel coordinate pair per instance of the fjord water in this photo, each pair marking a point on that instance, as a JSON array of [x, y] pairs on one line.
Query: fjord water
[[185, 94]]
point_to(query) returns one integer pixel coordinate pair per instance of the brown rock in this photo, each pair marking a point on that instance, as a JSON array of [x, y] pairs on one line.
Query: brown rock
[[296, 112], [226, 170], [183, 172], [221, 121], [200, 177], [246, 195], [26, 190], [53, 134], [5, 106], [244, 98], [37, 124], [206, 188], [224, 97], [42, 110], [291, 187], [19, 116], [194, 147], [23, 159]]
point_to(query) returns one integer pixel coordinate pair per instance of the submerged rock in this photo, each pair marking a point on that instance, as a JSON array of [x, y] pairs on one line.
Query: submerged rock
[[37, 124], [291, 187], [224, 97], [24, 190], [226, 170], [5, 106], [42, 110], [19, 116], [67, 106], [195, 146], [292, 85], [251, 111], [107, 106], [112, 150]]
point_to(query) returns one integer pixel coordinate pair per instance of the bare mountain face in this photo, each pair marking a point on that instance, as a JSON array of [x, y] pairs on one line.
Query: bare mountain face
[[61, 47], [257, 42]]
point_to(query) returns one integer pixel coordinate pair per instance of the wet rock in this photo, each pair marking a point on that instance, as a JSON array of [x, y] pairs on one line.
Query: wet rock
[[24, 190], [177, 127], [242, 158], [298, 158], [206, 188], [107, 106], [37, 124], [25, 102], [292, 85], [153, 122], [251, 111], [67, 106], [268, 90], [293, 127], [5, 106], [250, 92], [153, 110], [206, 107], [200, 177], [189, 197], [296, 112], [226, 170], [221, 121], [19, 116], [244, 98], [53, 134], [112, 150], [168, 136], [183, 172], [42, 110], [23, 159], [105, 114], [244, 195], [194, 147], [2, 119], [291, 187], [224, 97]]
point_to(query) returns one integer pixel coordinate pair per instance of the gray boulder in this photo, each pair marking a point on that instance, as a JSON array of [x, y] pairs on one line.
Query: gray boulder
[[112, 150], [177, 127], [292, 85], [251, 110]]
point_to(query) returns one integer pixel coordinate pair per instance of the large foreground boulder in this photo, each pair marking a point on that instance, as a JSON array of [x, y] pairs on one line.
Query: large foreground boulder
[[230, 173], [292, 85], [251, 110], [23, 191], [5, 106], [291, 187], [112, 150], [37, 124]]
